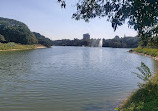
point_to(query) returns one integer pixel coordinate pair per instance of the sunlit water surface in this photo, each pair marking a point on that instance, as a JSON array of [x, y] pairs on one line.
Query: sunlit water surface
[[67, 78]]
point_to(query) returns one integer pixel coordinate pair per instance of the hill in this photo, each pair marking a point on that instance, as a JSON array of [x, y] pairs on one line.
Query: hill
[[15, 31], [43, 40]]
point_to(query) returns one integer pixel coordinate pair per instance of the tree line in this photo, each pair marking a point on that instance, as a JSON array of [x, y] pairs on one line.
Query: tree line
[[121, 42], [116, 42]]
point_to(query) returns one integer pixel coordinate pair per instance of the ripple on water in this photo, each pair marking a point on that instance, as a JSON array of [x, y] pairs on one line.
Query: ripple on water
[[67, 78]]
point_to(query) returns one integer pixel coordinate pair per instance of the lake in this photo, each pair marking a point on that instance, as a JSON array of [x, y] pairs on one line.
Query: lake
[[68, 78]]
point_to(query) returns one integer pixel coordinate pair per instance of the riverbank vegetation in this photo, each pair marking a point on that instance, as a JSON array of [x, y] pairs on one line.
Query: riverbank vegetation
[[145, 50], [14, 46], [144, 99]]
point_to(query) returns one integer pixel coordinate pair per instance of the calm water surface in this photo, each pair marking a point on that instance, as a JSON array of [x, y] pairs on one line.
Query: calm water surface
[[67, 78]]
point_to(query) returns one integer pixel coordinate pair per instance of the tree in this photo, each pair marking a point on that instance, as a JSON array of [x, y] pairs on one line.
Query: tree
[[2, 39], [43, 40], [142, 15]]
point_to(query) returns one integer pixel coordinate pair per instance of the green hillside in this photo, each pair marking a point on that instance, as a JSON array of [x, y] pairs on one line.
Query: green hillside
[[15, 31], [43, 40]]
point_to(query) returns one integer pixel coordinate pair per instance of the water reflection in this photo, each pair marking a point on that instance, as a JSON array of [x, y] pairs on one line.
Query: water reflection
[[67, 78], [92, 54]]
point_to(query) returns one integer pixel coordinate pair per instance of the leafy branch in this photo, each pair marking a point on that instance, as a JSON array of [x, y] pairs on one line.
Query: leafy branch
[[145, 73]]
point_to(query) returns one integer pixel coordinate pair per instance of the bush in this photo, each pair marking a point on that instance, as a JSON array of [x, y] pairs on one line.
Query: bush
[[2, 39]]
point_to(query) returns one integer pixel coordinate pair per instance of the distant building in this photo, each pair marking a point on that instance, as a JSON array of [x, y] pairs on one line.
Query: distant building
[[86, 36]]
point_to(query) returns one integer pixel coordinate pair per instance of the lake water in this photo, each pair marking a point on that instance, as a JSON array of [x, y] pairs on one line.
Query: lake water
[[67, 78]]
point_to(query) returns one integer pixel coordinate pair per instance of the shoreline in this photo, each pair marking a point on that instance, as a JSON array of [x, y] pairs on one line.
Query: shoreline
[[41, 47], [142, 94], [135, 52], [38, 46]]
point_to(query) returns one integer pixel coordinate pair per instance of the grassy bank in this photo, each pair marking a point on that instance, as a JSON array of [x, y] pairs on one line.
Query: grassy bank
[[146, 97], [13, 46], [147, 51]]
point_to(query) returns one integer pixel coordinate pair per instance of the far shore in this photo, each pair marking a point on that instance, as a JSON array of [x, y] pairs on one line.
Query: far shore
[[38, 46]]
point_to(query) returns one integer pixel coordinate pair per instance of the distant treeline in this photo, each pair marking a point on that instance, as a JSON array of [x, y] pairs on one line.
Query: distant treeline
[[116, 42], [125, 42], [68, 42], [15, 31]]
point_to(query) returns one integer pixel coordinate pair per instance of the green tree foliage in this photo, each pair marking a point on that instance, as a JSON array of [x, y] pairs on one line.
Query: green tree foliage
[[15, 31], [43, 40], [141, 14], [2, 39], [67, 42], [145, 74], [117, 42]]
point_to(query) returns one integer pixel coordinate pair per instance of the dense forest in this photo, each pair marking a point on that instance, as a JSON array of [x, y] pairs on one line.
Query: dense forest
[[15, 31], [43, 40]]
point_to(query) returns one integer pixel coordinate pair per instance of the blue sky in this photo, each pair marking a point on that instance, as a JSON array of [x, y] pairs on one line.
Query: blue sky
[[47, 18]]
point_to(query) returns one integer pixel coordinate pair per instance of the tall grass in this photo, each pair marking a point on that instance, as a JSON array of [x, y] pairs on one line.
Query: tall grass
[[14, 46], [148, 51]]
